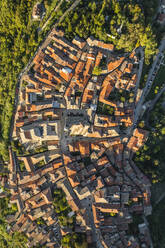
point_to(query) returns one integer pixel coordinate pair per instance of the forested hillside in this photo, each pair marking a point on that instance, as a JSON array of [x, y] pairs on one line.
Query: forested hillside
[[8, 240], [124, 23], [18, 41], [151, 156]]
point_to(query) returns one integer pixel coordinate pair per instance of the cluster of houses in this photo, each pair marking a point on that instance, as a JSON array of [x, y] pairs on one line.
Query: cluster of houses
[[38, 11], [78, 100], [161, 14]]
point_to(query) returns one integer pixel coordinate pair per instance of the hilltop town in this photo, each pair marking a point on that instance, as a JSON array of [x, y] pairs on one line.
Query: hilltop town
[[77, 101]]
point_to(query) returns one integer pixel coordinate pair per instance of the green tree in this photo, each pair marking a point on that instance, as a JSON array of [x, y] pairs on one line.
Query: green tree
[[97, 70], [16, 240]]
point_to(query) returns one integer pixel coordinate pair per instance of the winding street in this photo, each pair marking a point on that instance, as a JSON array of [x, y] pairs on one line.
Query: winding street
[[147, 224], [72, 7], [50, 16], [141, 50], [152, 104], [154, 101], [87, 203], [151, 76], [41, 46]]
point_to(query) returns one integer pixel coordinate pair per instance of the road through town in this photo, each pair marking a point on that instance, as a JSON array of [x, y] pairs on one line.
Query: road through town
[[151, 76], [50, 16], [141, 51]]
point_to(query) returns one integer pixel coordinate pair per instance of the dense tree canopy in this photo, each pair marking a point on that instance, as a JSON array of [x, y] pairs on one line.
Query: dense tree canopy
[[74, 240], [151, 157], [157, 226], [122, 23], [62, 208], [18, 41], [14, 240]]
